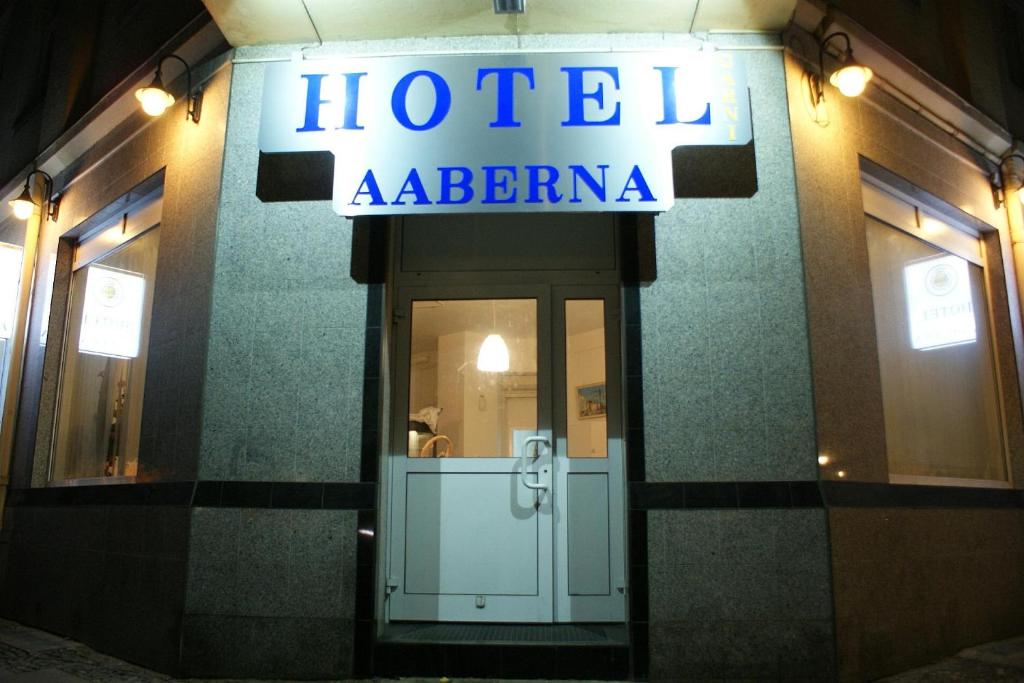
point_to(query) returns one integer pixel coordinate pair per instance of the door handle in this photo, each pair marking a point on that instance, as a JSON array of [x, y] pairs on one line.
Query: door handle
[[542, 481]]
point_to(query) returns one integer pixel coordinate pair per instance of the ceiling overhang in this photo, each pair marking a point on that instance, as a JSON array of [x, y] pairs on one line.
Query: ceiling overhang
[[260, 22]]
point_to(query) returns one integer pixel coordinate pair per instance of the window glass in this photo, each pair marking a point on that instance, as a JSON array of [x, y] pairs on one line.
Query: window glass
[[586, 390], [942, 414], [10, 278], [472, 377], [100, 410]]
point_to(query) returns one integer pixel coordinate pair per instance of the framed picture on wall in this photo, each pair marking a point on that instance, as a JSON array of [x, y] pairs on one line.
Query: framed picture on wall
[[591, 401]]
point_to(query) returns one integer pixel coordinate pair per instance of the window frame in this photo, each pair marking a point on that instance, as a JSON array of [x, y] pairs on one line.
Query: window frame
[[118, 233], [901, 211]]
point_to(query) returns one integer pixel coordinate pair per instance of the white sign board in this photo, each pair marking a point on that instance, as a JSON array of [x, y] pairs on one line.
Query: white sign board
[[939, 303], [586, 131], [112, 317], [10, 276]]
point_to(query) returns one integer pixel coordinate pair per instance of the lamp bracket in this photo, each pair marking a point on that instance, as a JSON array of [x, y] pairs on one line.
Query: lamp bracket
[[52, 208], [195, 99], [1002, 175]]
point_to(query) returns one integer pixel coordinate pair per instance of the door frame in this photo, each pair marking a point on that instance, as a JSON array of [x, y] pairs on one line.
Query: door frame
[[521, 608], [581, 281]]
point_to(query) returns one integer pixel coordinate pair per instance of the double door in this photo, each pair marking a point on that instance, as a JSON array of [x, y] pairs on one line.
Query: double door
[[506, 470]]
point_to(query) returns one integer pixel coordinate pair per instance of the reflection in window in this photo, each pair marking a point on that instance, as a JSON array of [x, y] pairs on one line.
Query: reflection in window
[[939, 391], [461, 402], [587, 394], [100, 410]]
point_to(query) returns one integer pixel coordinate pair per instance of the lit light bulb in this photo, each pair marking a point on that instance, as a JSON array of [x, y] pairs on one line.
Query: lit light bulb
[[155, 100], [851, 79], [23, 206], [493, 356], [824, 460]]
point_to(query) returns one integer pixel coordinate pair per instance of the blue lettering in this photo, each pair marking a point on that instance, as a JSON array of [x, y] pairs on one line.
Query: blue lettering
[[668, 92], [506, 90], [352, 100], [577, 96], [372, 190], [581, 173], [636, 183], [313, 103], [414, 186], [535, 183], [442, 100], [492, 183], [463, 184]]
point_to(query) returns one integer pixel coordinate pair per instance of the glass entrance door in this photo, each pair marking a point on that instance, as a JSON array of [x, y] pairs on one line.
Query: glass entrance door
[[506, 478]]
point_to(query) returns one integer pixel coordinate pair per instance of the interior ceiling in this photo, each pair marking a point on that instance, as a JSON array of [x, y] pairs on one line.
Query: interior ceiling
[[432, 319], [256, 22]]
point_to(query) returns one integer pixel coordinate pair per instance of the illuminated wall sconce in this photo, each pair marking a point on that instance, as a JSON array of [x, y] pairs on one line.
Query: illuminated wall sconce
[[24, 205], [999, 180], [850, 78], [155, 98]]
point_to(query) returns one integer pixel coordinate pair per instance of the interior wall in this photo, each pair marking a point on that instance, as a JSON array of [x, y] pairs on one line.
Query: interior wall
[[585, 364]]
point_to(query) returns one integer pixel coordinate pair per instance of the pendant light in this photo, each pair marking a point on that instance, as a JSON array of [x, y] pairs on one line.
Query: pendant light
[[493, 355]]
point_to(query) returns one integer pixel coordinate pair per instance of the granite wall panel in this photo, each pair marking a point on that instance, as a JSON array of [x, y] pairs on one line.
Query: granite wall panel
[[726, 372], [739, 594], [915, 585], [270, 593]]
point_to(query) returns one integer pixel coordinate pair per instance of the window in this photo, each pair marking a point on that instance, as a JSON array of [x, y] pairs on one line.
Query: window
[[10, 278], [105, 349], [940, 392]]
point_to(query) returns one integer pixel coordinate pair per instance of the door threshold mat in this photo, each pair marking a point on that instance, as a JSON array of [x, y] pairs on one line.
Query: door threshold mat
[[506, 634]]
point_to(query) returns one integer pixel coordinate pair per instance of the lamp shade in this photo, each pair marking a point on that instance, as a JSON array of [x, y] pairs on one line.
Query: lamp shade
[[23, 206], [493, 356], [851, 78], [154, 98]]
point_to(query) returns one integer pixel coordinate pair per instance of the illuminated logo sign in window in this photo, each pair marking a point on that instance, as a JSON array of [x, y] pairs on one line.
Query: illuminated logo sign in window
[[10, 275], [112, 319], [939, 303]]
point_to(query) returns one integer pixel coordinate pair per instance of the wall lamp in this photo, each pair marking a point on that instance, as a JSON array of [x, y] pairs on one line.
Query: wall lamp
[[999, 182], [155, 98], [850, 78], [24, 205]]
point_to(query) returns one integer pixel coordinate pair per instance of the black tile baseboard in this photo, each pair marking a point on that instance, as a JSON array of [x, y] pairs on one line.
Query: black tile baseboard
[[871, 495], [814, 494], [223, 494], [723, 494]]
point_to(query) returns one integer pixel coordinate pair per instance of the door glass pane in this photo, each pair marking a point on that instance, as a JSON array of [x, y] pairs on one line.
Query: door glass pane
[[472, 377], [586, 390], [105, 363], [939, 397]]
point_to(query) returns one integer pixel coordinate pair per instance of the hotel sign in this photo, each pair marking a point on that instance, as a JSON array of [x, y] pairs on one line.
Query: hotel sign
[[506, 132]]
